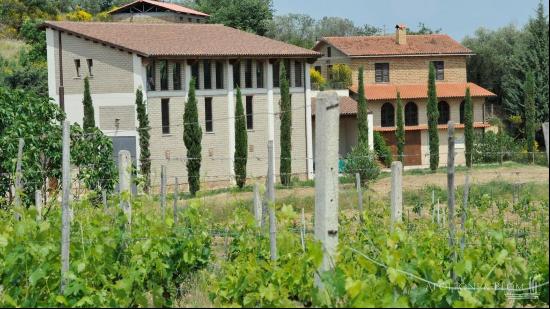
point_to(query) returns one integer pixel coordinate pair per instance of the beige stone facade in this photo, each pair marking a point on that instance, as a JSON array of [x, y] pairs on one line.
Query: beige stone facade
[[158, 17]]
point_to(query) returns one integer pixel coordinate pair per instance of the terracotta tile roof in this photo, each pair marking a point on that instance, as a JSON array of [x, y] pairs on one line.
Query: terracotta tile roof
[[348, 106], [421, 127], [181, 39], [365, 46], [169, 6], [420, 91]]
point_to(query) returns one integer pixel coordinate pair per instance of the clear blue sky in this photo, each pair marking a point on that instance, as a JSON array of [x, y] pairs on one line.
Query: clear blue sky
[[457, 18]]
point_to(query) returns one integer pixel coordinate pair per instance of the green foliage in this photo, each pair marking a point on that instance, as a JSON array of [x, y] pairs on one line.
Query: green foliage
[[433, 115], [192, 137], [362, 111], [144, 136], [88, 122], [241, 142], [382, 150], [490, 147], [530, 112], [36, 120], [468, 127], [109, 267], [92, 152], [400, 130], [248, 15], [250, 279], [317, 80], [363, 161], [530, 53], [286, 129], [341, 76]]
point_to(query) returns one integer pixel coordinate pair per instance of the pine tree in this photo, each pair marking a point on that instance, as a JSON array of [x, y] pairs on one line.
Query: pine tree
[[400, 131], [88, 122], [468, 128], [192, 137], [530, 112], [433, 115], [286, 122], [241, 142], [362, 110], [144, 136]]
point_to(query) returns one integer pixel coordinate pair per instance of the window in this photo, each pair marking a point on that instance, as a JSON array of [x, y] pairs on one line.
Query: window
[[195, 74], [236, 74], [259, 74], [298, 74], [444, 113], [164, 75], [411, 114], [208, 114], [176, 76], [90, 63], [276, 76], [382, 72], [329, 51], [318, 68], [439, 70], [462, 104], [248, 74], [329, 71], [165, 115], [387, 116], [77, 67], [151, 76], [219, 75], [190, 20], [249, 112], [206, 66]]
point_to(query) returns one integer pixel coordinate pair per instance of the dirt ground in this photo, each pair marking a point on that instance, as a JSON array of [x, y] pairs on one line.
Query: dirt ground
[[519, 174]]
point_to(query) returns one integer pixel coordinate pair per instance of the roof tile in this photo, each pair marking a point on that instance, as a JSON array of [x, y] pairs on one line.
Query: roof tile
[[420, 91]]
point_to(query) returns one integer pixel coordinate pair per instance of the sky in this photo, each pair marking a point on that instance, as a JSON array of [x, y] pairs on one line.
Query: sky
[[457, 18]]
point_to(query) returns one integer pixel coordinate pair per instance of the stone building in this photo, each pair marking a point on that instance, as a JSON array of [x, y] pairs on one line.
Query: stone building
[[150, 11], [401, 63], [161, 59]]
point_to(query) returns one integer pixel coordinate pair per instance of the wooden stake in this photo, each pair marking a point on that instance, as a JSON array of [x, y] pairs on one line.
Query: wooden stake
[[257, 204], [163, 192], [396, 193], [38, 203], [303, 232], [176, 199], [271, 202], [451, 189], [124, 185], [359, 195], [18, 176], [65, 220]]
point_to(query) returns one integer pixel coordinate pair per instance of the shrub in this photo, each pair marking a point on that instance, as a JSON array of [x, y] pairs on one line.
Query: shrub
[[493, 147], [382, 150], [341, 76], [363, 161], [317, 79]]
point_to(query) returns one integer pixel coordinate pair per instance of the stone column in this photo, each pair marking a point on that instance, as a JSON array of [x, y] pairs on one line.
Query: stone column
[[270, 108], [309, 130], [230, 120]]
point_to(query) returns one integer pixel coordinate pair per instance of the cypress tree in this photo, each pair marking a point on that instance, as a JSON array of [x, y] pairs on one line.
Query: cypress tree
[[88, 122], [433, 115], [192, 137], [144, 136], [400, 131], [362, 111], [468, 128], [530, 111], [241, 142], [286, 122]]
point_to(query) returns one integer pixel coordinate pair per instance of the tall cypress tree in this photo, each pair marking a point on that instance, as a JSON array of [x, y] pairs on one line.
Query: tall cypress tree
[[400, 131], [192, 137], [530, 111], [433, 115], [144, 136], [286, 123], [362, 110], [468, 127], [241, 142], [88, 122]]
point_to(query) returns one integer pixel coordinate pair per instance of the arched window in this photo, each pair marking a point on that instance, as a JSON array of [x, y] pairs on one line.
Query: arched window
[[462, 111], [444, 112], [411, 114], [387, 115]]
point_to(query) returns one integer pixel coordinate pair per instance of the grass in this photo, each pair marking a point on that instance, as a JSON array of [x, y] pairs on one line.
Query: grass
[[9, 48]]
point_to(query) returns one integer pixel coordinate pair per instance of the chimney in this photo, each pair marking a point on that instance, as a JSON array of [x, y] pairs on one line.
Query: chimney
[[401, 34]]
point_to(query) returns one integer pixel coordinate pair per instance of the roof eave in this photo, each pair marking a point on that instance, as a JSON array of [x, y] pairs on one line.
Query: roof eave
[[412, 55]]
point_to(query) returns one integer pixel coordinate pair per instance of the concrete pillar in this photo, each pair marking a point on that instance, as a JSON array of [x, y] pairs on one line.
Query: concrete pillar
[[254, 77], [200, 82], [124, 181], [170, 75], [292, 77], [213, 74], [326, 176], [242, 69], [545, 131], [187, 78], [370, 125], [309, 127], [396, 192], [270, 108], [230, 120]]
